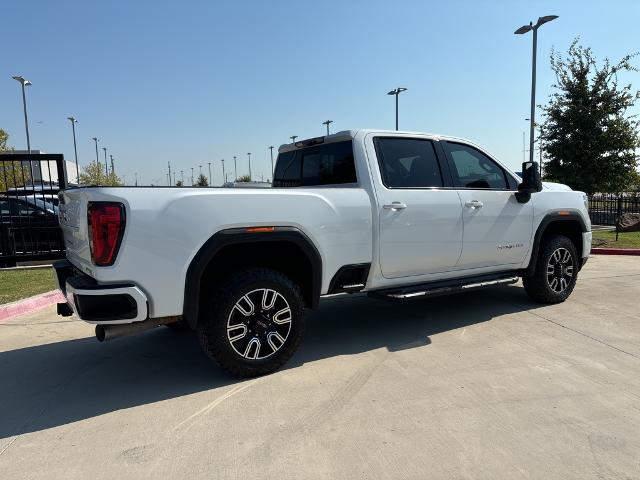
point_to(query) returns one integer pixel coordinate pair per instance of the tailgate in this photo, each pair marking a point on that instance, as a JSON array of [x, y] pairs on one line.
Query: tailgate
[[72, 215]]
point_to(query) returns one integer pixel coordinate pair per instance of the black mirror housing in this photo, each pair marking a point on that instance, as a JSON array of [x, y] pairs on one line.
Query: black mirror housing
[[531, 181]]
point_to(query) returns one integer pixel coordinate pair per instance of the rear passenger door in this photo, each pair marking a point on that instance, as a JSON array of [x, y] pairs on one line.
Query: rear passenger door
[[420, 221], [497, 229]]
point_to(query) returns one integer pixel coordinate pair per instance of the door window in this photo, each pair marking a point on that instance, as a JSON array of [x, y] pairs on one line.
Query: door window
[[408, 163], [473, 169]]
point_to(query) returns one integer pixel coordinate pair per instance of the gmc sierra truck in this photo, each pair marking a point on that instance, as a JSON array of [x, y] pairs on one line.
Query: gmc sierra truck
[[397, 215]]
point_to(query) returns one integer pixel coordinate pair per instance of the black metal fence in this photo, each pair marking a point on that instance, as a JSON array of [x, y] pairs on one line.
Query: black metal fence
[[29, 185], [606, 208]]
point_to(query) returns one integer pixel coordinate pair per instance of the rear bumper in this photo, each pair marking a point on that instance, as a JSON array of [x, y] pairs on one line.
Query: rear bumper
[[96, 303]]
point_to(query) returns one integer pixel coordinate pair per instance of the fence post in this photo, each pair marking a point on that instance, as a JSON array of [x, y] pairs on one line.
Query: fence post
[[619, 214]]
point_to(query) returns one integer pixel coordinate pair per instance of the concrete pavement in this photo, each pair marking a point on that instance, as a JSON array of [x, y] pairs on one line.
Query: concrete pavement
[[479, 385]]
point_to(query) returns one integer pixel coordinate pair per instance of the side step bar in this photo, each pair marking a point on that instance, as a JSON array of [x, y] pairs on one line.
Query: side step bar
[[446, 287]]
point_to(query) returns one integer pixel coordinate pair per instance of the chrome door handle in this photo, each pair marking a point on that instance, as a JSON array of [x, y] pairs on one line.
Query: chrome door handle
[[395, 206], [474, 204]]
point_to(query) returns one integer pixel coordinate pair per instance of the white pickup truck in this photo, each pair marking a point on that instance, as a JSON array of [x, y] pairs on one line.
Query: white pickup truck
[[398, 215]]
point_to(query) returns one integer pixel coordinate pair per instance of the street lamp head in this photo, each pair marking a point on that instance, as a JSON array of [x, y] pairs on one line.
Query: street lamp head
[[545, 19], [396, 91], [72, 119], [22, 80], [95, 139], [524, 29]]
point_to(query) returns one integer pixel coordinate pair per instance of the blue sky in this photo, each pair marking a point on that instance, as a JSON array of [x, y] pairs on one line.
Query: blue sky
[[193, 82]]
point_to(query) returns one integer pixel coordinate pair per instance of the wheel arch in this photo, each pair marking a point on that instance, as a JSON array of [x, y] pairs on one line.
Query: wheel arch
[[239, 247], [570, 224]]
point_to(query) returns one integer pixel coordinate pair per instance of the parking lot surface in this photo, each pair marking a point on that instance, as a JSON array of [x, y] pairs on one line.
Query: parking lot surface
[[485, 384]]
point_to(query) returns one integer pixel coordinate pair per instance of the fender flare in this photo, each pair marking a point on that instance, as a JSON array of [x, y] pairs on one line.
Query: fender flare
[[542, 226], [232, 236]]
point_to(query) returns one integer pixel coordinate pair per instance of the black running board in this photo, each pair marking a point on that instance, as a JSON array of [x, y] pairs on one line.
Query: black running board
[[446, 287]]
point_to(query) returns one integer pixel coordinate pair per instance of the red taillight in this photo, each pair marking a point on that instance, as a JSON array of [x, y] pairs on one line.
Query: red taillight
[[106, 226]]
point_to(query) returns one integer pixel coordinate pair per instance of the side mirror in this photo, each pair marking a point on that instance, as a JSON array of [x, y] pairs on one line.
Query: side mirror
[[531, 182]]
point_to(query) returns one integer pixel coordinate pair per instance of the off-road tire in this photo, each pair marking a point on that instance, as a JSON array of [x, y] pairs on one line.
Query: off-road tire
[[213, 333], [540, 285]]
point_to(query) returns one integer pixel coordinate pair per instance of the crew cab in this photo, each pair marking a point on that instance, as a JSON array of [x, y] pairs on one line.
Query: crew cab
[[396, 215]]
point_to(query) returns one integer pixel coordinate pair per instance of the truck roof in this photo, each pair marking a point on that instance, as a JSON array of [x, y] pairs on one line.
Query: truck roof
[[348, 134]]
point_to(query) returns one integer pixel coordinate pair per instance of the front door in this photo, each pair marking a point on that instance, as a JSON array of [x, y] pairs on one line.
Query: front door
[[420, 222], [497, 229]]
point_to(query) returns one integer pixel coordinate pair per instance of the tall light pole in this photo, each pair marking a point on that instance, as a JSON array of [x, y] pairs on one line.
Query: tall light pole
[[24, 83], [174, 177], [113, 169], [249, 155], [96, 140], [182, 177], [224, 175], [271, 150], [397, 93], [293, 138], [75, 148], [200, 169], [136, 176], [522, 30], [210, 180], [327, 122], [169, 166], [106, 165], [192, 176], [235, 168]]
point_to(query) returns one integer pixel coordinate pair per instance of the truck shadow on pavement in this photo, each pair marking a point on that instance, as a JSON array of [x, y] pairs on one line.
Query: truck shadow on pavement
[[55, 384]]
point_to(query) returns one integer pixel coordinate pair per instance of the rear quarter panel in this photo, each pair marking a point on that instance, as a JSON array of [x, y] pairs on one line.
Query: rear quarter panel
[[167, 226]]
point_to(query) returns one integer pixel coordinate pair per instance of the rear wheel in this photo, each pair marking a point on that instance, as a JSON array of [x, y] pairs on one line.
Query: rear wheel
[[253, 323], [556, 271]]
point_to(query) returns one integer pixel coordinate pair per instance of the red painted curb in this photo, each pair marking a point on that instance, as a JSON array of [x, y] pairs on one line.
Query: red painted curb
[[30, 304], [616, 251]]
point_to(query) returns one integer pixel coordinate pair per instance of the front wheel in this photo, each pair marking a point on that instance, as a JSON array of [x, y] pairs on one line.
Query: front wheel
[[253, 323], [556, 271]]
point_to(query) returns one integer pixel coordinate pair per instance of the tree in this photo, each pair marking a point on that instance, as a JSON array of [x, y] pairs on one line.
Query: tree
[[12, 174], [202, 181], [588, 137], [93, 174], [243, 178], [4, 138], [179, 183]]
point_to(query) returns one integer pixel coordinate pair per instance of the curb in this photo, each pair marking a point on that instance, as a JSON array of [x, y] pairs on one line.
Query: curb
[[616, 251], [25, 267], [30, 304]]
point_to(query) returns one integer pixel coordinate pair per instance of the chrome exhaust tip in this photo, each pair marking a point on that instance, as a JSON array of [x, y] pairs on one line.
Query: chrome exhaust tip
[[105, 333]]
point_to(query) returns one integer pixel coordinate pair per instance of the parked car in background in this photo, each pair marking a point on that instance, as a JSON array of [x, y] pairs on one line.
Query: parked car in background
[[397, 215]]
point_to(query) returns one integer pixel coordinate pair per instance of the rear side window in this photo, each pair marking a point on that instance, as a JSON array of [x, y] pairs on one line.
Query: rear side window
[[288, 172], [473, 169], [408, 163], [330, 164]]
